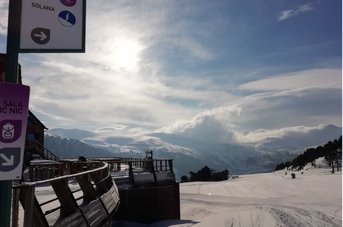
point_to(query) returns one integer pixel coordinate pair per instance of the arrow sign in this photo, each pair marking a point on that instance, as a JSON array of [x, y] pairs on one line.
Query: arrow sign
[[40, 35], [55, 26], [8, 162], [9, 158]]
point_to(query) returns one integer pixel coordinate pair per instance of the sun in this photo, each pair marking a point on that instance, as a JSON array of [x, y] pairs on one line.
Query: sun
[[127, 54]]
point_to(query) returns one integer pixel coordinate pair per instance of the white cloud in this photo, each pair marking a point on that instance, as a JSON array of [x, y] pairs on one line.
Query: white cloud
[[193, 48], [314, 78], [260, 135], [209, 125], [291, 102], [3, 16], [120, 85], [286, 14]]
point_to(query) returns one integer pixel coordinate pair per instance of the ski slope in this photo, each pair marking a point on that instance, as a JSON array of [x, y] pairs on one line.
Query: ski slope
[[313, 198]]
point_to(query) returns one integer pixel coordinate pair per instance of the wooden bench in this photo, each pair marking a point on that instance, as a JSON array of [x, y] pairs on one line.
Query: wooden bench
[[87, 198]]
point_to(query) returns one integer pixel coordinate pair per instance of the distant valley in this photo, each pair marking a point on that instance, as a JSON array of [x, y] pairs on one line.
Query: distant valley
[[189, 154]]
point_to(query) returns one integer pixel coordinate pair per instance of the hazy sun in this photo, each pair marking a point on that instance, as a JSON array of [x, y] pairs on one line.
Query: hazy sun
[[126, 54]]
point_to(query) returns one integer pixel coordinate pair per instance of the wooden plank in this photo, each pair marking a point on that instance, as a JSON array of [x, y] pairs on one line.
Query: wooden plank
[[65, 197], [94, 212], [29, 193], [86, 187], [52, 216], [110, 200], [100, 185], [74, 220]]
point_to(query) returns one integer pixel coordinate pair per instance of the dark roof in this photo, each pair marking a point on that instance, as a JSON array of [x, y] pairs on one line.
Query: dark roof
[[35, 120]]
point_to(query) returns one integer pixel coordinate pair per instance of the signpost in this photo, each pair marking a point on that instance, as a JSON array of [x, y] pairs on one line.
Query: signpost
[[53, 26], [38, 26], [11, 72], [14, 99]]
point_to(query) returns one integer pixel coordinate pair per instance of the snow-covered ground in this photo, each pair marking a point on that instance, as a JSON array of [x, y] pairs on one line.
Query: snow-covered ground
[[313, 198]]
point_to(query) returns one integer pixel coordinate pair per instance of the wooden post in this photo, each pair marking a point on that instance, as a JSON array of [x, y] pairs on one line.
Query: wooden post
[[171, 165], [29, 192], [86, 187], [130, 172], [60, 169], [65, 197], [15, 207], [177, 202], [31, 172], [100, 185]]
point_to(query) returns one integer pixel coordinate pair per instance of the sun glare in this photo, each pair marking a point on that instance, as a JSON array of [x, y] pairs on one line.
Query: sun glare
[[126, 54]]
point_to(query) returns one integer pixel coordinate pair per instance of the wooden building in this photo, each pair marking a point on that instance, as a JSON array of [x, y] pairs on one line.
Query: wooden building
[[35, 129], [34, 144]]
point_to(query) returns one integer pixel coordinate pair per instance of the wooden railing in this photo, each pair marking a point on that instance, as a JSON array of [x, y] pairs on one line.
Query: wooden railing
[[45, 169], [88, 198], [41, 150], [142, 171]]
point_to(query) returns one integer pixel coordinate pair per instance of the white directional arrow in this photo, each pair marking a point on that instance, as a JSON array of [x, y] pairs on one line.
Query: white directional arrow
[[42, 36], [8, 162]]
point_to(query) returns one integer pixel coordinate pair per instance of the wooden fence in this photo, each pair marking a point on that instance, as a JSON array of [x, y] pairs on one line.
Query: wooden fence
[[88, 198], [147, 188]]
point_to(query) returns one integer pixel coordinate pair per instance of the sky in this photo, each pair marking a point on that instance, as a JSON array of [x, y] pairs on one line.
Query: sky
[[225, 70]]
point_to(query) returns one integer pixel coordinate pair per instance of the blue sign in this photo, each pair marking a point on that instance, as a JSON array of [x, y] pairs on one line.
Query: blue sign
[[66, 18]]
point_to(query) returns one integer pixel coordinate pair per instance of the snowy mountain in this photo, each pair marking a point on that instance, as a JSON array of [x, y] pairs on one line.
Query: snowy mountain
[[300, 140], [190, 154], [71, 148]]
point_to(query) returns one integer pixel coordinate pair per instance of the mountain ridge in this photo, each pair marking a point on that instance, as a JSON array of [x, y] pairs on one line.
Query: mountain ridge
[[190, 153]]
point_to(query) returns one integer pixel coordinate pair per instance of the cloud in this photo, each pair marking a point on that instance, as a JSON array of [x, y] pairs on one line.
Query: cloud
[[314, 78], [211, 125], [291, 102], [259, 135], [3, 16], [286, 14], [193, 48], [149, 64]]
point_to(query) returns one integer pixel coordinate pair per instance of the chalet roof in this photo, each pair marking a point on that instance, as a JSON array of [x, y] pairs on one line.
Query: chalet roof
[[34, 120]]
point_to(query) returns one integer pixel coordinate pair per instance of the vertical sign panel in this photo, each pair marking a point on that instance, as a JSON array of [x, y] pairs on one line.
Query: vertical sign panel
[[14, 101], [52, 26]]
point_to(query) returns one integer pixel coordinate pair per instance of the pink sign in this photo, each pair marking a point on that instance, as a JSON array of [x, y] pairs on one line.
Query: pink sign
[[14, 103], [68, 2]]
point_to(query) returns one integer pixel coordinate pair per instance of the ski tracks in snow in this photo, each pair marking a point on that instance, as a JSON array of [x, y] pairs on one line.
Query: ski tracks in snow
[[238, 212]]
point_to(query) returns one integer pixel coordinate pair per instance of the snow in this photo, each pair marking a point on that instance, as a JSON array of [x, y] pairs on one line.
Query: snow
[[313, 198], [270, 199]]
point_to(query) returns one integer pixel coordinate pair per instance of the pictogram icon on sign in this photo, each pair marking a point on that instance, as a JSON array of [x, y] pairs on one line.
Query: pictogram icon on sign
[[68, 2], [10, 130], [66, 18], [9, 158], [40, 35]]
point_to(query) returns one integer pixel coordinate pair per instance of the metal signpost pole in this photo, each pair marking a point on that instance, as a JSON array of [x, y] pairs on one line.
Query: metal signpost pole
[[31, 30], [13, 41]]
